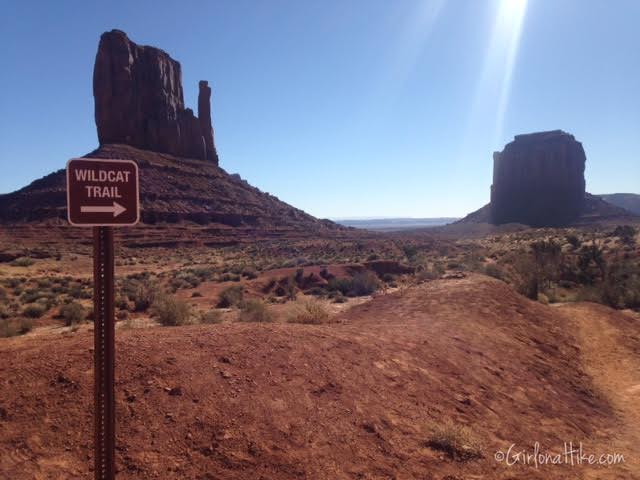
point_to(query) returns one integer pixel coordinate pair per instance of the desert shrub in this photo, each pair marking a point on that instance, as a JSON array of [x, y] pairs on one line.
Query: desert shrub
[[626, 233], [429, 272], [211, 317], [11, 328], [34, 310], [73, 313], [621, 287], [289, 288], [249, 273], [121, 303], [388, 277], [22, 262], [365, 283], [457, 441], [574, 241], [142, 292], [4, 295], [5, 312], [547, 257], [339, 298], [230, 296], [362, 283], [494, 270], [172, 312], [316, 291], [44, 283], [410, 252], [342, 285], [230, 277], [591, 264], [32, 295], [308, 312], [255, 311]]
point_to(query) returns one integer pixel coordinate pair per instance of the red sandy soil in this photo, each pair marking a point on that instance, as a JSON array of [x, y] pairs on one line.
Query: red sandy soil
[[355, 399]]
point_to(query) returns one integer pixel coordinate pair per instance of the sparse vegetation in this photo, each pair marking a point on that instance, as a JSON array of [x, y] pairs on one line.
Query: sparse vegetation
[[73, 313], [34, 310], [172, 312], [22, 262], [308, 312], [211, 317], [13, 327], [231, 296], [362, 283], [255, 311], [457, 441]]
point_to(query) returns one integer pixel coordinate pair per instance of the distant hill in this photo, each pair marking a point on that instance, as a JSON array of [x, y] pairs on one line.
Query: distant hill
[[595, 209], [628, 201], [394, 224], [172, 190]]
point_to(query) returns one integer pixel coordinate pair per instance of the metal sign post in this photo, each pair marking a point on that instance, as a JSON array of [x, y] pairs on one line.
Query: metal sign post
[[103, 194], [104, 353]]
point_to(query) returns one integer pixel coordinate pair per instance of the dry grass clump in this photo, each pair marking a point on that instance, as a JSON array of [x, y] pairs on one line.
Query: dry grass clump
[[255, 311], [457, 441], [211, 317], [310, 312]]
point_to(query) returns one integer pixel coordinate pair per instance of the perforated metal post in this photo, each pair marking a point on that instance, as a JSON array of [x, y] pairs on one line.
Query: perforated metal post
[[104, 353]]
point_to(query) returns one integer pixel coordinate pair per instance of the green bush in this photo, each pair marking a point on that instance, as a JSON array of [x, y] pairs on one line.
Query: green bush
[[73, 313], [34, 310], [172, 312], [230, 296], [255, 311]]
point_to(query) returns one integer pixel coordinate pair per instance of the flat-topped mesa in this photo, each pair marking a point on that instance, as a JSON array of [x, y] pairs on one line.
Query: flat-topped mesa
[[139, 101], [538, 180]]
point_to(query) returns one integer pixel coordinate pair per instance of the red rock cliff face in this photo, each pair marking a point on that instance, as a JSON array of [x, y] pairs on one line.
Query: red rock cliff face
[[538, 180], [139, 101]]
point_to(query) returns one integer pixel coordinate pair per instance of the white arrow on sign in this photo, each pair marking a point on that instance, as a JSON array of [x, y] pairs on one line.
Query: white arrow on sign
[[116, 209]]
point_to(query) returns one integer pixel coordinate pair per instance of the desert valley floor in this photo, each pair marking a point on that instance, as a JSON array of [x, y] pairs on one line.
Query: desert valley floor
[[368, 392]]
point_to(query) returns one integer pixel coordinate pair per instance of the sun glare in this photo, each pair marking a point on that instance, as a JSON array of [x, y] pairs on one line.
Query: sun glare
[[494, 85]]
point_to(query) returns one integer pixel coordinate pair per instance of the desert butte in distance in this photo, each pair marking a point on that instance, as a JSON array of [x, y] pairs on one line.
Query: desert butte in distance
[[256, 341]]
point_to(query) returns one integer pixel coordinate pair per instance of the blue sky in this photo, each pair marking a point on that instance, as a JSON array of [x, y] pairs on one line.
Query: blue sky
[[344, 108]]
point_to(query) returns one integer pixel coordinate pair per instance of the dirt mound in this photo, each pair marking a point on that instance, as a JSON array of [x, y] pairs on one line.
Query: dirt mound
[[359, 398]]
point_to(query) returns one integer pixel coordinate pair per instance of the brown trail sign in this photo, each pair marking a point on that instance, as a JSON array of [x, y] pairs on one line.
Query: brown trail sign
[[102, 194]]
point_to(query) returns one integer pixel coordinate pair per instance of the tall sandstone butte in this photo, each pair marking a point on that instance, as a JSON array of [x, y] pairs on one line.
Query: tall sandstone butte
[[139, 101], [538, 180]]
